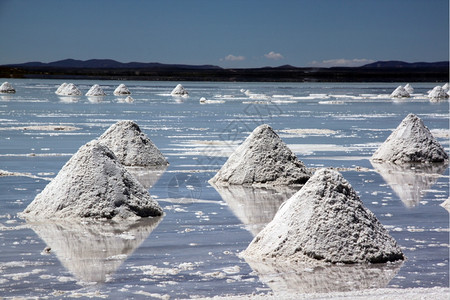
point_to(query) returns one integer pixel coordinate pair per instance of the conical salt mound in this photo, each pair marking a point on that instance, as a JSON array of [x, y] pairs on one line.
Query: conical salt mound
[[411, 141], [95, 90], [7, 88], [263, 159], [179, 90], [400, 92], [131, 146], [325, 222], [93, 184], [122, 90]]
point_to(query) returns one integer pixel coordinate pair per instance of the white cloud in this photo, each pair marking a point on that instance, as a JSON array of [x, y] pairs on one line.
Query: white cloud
[[273, 55], [342, 62], [231, 57]]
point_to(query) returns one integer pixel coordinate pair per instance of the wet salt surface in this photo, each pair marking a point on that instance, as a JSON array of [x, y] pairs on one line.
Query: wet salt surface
[[192, 250]]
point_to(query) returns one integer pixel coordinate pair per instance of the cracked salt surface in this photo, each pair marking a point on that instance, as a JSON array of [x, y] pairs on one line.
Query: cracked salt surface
[[194, 247]]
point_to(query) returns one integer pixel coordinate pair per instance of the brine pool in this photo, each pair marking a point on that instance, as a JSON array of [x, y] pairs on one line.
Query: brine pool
[[192, 250]]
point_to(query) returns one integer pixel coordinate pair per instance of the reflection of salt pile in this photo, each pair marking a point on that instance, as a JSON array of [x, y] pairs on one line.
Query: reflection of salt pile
[[179, 91], [255, 207], [263, 159], [325, 222], [122, 90], [95, 90], [408, 88], [69, 89], [131, 146], [287, 279], [438, 93], [411, 141], [7, 88], [400, 92], [93, 184], [92, 251], [409, 181]]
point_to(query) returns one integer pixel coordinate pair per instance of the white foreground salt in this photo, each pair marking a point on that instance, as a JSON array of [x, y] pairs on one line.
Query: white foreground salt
[[324, 222]]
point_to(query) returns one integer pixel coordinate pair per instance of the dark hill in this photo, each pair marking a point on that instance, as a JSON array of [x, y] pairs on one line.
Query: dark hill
[[402, 64]]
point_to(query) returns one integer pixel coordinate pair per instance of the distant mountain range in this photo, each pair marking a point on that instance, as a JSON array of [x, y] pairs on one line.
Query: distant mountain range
[[108, 69], [112, 64]]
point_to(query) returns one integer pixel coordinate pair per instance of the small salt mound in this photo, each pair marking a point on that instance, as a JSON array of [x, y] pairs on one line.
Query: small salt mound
[[400, 92], [325, 222], [131, 146], [408, 88], [263, 159], [438, 93], [61, 88], [93, 184], [6, 87], [122, 90], [70, 90], [445, 87], [95, 90], [179, 91], [446, 204], [411, 141], [129, 99]]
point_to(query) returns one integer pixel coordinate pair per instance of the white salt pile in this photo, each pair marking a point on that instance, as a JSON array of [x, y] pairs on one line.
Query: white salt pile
[[131, 146], [95, 90], [129, 99], [179, 90], [446, 87], [446, 204], [122, 90], [7, 88], [400, 92], [93, 184], [438, 93], [69, 89], [409, 88], [61, 88], [263, 159], [411, 141], [324, 222]]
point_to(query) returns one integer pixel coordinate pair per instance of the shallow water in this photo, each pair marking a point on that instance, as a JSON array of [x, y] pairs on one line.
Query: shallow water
[[192, 250]]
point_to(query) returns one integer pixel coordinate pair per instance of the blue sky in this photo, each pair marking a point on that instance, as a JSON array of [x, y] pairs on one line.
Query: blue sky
[[228, 33]]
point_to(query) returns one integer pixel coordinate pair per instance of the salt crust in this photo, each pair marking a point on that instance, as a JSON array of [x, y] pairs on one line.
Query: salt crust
[[93, 184], [7, 87], [122, 90], [179, 90], [411, 141], [68, 89], [400, 92], [263, 159], [131, 146], [95, 90], [324, 222]]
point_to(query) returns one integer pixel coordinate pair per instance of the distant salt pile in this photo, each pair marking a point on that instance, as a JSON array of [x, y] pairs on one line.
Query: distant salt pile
[[409, 88], [61, 88], [410, 142], [446, 87], [68, 89], [325, 222], [263, 159], [131, 146], [7, 88], [129, 99], [93, 184], [179, 90], [122, 90], [95, 90], [438, 93], [400, 92]]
